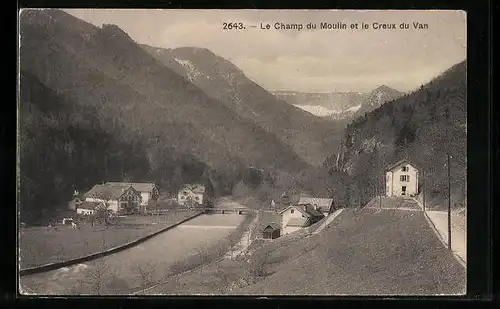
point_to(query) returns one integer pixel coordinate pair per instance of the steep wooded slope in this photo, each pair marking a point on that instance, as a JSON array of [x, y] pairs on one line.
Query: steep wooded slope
[[62, 147], [105, 68], [423, 126], [310, 137], [103, 76]]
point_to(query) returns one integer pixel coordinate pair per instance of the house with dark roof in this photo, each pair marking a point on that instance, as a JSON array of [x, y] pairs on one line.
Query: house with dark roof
[[116, 198], [271, 231], [148, 190], [401, 179], [194, 193], [295, 217], [324, 205]]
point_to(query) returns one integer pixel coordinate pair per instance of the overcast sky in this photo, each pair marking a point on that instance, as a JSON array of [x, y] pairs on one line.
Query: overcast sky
[[317, 60]]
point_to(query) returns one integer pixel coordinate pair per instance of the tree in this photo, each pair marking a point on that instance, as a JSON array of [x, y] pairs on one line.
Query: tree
[[146, 274], [103, 213], [203, 257], [96, 276]]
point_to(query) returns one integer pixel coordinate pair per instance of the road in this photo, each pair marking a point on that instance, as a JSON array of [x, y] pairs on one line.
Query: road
[[124, 270], [458, 231]]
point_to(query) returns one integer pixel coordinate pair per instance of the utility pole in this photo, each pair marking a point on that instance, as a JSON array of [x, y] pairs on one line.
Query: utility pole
[[447, 111], [423, 189], [380, 200], [449, 204]]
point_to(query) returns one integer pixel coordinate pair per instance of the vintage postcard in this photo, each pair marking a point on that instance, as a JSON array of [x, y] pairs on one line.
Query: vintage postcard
[[242, 152]]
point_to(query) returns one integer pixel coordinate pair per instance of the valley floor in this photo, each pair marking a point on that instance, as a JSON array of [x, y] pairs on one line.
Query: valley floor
[[44, 245], [126, 271], [363, 252]]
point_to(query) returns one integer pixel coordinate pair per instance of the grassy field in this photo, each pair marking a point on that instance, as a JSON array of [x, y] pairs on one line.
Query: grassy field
[[185, 246], [367, 253], [42, 245]]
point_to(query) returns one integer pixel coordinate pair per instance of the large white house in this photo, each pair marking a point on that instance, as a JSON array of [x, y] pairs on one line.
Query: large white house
[[296, 217], [401, 179], [148, 190], [116, 198]]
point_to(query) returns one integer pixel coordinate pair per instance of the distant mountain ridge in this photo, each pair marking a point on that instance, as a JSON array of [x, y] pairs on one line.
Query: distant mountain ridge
[[334, 101], [339, 105], [310, 137]]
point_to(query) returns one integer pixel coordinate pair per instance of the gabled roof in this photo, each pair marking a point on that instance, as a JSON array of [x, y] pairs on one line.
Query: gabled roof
[[397, 164], [313, 212], [138, 186], [301, 209], [307, 211], [318, 201], [195, 188], [107, 192], [88, 205], [271, 227]]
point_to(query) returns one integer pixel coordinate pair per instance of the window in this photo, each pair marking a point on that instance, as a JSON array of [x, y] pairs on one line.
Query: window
[[197, 198], [291, 211], [405, 168], [404, 178], [182, 197]]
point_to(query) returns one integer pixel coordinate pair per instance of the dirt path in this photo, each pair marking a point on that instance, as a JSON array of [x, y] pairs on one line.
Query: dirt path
[[244, 242]]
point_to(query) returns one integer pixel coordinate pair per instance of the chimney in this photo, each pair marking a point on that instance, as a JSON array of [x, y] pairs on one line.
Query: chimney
[[75, 193]]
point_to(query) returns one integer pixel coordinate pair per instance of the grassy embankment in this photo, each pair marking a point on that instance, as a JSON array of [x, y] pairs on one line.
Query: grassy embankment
[[361, 252], [206, 256]]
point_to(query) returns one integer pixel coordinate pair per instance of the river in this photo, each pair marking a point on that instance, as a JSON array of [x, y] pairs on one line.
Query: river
[[126, 270]]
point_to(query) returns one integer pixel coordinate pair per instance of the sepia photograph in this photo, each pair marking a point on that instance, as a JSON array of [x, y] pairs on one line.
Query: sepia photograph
[[165, 152]]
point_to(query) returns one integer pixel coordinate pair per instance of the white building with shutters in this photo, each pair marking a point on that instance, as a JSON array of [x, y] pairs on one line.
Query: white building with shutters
[[401, 179]]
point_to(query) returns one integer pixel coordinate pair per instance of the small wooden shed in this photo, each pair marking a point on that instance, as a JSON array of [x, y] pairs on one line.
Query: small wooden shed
[[271, 231]]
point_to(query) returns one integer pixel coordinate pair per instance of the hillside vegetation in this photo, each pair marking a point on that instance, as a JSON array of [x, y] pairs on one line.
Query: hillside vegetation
[[137, 120], [62, 147], [423, 126], [312, 138]]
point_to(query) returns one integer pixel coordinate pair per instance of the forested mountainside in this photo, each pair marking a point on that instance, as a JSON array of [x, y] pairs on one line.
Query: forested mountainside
[[128, 97], [62, 147], [310, 137], [423, 126]]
